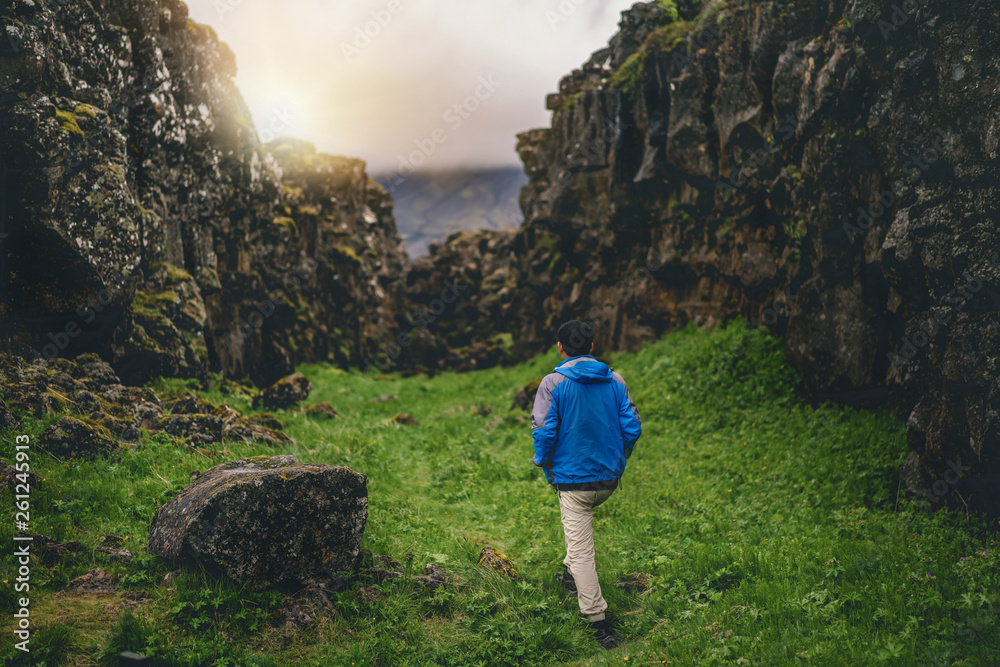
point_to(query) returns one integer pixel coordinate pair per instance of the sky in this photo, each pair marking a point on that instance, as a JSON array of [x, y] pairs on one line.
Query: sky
[[380, 79]]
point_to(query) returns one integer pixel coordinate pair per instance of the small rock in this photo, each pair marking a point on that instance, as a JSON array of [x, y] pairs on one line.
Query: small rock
[[94, 372], [8, 422], [207, 428], [403, 418], [117, 555], [147, 414], [525, 397], [433, 578], [188, 403], [134, 598], [321, 411], [294, 616], [86, 402], [368, 595], [319, 599], [96, 581], [497, 561], [385, 399], [72, 438], [287, 392], [388, 561], [54, 552], [237, 427], [378, 576], [266, 419], [635, 583]]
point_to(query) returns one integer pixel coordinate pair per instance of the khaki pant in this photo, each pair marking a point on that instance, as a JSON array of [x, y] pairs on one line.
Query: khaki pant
[[577, 510]]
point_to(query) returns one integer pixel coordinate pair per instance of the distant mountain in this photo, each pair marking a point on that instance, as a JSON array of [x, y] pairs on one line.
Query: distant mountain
[[431, 205]]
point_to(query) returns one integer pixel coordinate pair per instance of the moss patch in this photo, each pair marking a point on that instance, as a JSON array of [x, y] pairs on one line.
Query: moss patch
[[67, 121]]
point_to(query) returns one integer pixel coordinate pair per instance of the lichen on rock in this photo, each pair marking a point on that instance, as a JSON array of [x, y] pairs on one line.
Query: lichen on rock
[[267, 521]]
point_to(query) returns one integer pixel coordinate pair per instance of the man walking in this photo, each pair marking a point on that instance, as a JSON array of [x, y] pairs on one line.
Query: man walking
[[584, 425]]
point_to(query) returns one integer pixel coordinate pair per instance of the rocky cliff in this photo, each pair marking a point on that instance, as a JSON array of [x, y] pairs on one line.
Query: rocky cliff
[[142, 218], [825, 169]]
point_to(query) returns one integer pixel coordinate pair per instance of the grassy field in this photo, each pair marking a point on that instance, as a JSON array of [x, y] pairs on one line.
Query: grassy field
[[771, 531]]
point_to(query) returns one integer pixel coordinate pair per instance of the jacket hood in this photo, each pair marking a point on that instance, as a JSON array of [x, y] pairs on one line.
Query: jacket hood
[[584, 369]]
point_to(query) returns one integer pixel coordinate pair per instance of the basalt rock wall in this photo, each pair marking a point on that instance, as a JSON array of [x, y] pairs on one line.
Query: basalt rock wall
[[143, 219], [824, 169]]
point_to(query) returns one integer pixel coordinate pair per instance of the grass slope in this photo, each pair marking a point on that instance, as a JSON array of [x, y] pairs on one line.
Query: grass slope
[[771, 530]]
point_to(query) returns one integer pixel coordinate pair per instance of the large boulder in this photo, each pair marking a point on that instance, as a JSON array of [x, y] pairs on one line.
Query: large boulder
[[267, 521]]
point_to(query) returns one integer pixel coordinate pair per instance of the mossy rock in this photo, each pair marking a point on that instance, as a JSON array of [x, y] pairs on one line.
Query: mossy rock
[[321, 411], [497, 561], [67, 120], [405, 419], [267, 521], [175, 274], [234, 426], [287, 392], [206, 427], [525, 397], [75, 438], [154, 300], [85, 110], [188, 403]]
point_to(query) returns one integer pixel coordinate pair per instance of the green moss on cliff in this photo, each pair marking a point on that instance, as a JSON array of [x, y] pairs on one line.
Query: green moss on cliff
[[287, 223], [175, 274], [669, 37], [347, 252], [153, 300], [85, 110], [67, 120], [670, 7], [628, 78]]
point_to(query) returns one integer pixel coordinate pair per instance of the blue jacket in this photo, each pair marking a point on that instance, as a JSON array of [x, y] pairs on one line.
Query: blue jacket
[[584, 422]]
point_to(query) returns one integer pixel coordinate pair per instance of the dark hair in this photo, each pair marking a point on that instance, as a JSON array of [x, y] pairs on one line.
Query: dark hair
[[576, 337]]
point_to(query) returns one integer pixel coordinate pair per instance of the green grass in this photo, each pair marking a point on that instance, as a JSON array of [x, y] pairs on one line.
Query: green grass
[[771, 529]]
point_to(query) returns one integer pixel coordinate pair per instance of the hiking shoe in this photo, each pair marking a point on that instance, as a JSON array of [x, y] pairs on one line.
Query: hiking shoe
[[570, 584], [602, 632]]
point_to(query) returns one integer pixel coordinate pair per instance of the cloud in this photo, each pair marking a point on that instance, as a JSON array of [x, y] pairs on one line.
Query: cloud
[[376, 95]]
